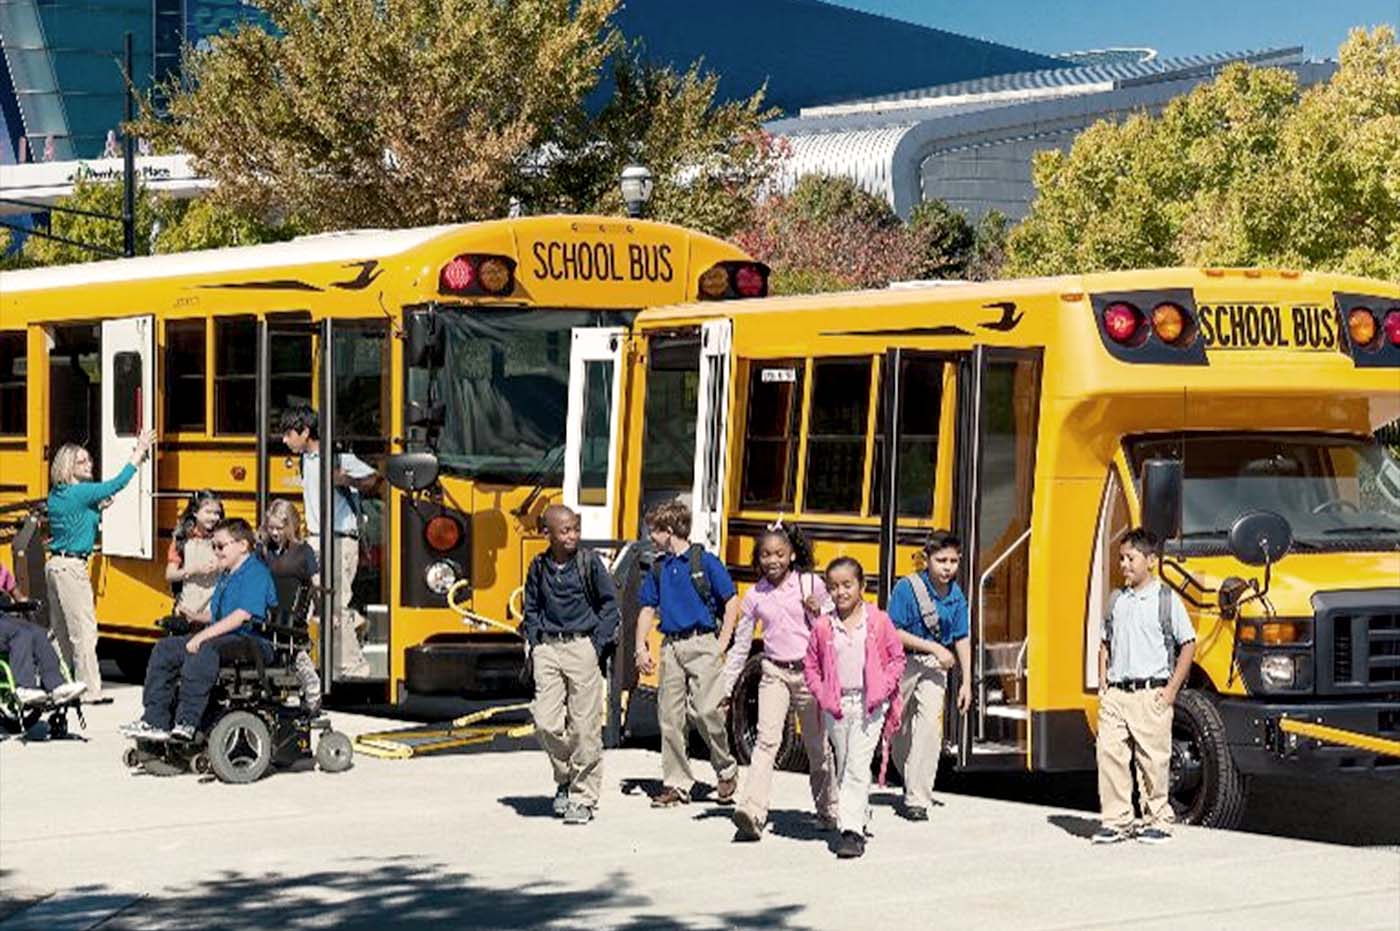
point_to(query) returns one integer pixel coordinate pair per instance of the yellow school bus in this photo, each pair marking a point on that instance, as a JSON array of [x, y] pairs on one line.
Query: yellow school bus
[[1025, 415], [455, 339]]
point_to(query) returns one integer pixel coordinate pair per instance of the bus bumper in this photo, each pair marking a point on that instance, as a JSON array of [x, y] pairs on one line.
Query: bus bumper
[[1315, 739], [472, 669]]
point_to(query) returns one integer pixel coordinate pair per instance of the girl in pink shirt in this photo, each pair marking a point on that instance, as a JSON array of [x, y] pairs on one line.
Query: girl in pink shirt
[[785, 601], [854, 663]]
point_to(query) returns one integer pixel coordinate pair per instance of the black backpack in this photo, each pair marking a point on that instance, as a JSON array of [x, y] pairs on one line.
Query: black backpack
[[584, 559], [695, 555]]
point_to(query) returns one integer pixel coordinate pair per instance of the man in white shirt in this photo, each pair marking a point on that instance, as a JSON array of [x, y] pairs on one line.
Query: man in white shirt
[[353, 477]]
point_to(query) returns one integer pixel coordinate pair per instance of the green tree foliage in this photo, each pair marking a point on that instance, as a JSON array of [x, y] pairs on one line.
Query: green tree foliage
[[829, 234], [1242, 171], [394, 113]]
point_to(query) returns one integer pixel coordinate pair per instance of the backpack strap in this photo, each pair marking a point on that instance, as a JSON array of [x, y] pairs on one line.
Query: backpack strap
[[1164, 617], [583, 561], [923, 596], [698, 578]]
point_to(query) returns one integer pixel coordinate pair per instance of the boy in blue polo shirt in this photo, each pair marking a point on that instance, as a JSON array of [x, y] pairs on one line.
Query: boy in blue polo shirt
[[243, 598], [930, 613], [691, 588]]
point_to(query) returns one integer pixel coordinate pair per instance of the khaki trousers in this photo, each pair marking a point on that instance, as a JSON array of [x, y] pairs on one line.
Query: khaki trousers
[[73, 618], [349, 657], [918, 746], [692, 674], [854, 737], [568, 710], [778, 690], [1129, 720]]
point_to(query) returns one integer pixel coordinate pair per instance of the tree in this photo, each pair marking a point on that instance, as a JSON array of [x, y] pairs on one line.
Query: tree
[[394, 113], [1242, 171]]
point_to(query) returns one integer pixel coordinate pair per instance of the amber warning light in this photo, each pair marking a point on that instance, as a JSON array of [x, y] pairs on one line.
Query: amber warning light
[[730, 280]]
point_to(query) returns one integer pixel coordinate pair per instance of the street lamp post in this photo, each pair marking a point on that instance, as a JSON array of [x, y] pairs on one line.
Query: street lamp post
[[636, 189]]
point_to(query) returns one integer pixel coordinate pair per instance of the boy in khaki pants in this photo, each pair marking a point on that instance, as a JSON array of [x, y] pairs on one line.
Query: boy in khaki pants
[[1145, 624]]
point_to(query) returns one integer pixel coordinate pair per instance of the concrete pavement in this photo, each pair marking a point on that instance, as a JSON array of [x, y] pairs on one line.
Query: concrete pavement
[[467, 841]]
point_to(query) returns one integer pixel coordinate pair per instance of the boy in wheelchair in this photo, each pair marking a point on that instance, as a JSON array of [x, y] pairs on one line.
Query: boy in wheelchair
[[184, 669], [34, 667]]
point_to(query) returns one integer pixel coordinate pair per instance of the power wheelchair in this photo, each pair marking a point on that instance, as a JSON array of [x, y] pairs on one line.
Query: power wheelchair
[[256, 718]]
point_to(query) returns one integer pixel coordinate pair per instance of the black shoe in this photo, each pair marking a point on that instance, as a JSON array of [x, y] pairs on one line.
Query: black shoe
[[747, 827], [913, 813], [561, 800], [1108, 835], [850, 845]]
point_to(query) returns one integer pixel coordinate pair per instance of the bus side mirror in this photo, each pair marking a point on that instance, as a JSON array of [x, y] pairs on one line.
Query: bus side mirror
[[1260, 538], [428, 414], [1161, 497], [411, 471], [424, 340]]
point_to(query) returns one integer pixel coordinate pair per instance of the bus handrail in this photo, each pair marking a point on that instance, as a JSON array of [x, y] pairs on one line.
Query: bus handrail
[[981, 625]]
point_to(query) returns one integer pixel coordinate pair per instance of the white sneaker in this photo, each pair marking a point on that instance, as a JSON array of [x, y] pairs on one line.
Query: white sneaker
[[140, 730], [68, 691], [31, 696]]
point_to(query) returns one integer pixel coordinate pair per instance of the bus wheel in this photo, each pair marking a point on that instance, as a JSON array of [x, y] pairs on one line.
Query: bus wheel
[[743, 721], [1206, 787]]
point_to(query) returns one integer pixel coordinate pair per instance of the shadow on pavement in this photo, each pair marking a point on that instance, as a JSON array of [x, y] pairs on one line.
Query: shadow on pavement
[[529, 806], [398, 892], [1074, 825]]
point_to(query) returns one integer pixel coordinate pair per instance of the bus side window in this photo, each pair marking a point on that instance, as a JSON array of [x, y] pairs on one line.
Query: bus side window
[[184, 376], [920, 406], [235, 375], [836, 429], [771, 433], [1105, 575], [14, 370]]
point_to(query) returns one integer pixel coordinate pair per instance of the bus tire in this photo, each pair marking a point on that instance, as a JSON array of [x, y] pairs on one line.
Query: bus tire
[[743, 721], [1207, 787]]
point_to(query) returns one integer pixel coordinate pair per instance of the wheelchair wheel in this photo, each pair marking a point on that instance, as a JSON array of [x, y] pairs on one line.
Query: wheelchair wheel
[[199, 764], [131, 758], [334, 752], [240, 747]]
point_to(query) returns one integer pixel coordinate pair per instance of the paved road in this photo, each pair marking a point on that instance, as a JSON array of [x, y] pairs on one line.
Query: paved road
[[467, 842]]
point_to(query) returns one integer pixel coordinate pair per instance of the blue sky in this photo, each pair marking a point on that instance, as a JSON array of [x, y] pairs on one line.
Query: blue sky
[[1173, 27]]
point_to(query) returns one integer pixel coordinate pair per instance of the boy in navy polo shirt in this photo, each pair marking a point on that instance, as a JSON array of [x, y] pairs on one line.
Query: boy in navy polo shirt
[[930, 612], [691, 652], [243, 598]]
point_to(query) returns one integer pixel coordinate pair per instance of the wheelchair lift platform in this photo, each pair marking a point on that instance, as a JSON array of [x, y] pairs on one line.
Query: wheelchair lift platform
[[467, 731]]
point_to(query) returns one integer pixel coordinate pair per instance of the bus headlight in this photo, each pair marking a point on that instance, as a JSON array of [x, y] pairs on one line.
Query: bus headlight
[[1277, 670], [440, 576]]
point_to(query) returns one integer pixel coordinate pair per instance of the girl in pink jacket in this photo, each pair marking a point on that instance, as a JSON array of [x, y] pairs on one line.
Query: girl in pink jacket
[[854, 662]]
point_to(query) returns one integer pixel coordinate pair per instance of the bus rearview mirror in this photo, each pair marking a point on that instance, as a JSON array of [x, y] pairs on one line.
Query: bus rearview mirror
[[1161, 497], [424, 339], [426, 414]]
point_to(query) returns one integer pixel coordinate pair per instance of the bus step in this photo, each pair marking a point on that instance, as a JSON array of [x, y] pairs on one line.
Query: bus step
[[1013, 712]]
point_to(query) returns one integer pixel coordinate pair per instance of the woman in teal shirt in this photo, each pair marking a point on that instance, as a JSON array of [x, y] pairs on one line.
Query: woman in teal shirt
[[75, 507]]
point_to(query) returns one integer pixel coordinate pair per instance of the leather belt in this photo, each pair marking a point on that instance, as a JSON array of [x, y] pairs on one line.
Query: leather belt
[[1137, 685]]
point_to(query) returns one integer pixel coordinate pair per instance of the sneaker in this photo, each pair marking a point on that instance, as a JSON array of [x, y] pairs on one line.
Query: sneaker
[[913, 812], [747, 827], [578, 813], [182, 732], [1154, 835], [724, 790], [561, 800], [140, 730], [28, 696], [68, 691], [1107, 835], [850, 845], [669, 797]]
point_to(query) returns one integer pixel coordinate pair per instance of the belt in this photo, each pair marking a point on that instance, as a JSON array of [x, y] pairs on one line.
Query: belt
[[852, 693], [792, 665], [66, 554], [1137, 685], [563, 636], [692, 632]]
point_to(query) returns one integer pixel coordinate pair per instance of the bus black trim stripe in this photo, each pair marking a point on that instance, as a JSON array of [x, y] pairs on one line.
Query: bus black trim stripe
[[826, 530]]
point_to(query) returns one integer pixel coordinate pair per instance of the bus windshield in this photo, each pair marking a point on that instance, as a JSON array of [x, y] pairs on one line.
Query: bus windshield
[[505, 384], [1337, 492]]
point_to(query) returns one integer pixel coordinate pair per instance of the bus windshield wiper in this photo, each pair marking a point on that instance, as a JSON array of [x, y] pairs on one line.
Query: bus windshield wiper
[[1205, 534], [1362, 528]]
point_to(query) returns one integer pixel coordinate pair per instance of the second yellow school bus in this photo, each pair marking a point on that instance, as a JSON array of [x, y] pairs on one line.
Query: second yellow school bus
[[1025, 415], [456, 339]]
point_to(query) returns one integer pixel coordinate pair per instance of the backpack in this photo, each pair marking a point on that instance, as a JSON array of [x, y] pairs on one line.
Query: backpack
[[928, 608], [1164, 618], [698, 578]]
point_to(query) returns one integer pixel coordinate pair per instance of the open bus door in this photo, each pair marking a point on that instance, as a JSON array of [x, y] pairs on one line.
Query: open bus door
[[128, 393], [998, 410], [711, 436], [593, 428]]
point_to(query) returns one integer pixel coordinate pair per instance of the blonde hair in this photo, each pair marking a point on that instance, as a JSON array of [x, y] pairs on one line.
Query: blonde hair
[[64, 466], [285, 511]]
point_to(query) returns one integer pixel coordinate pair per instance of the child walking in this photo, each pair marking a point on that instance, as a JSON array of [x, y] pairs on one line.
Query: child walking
[[1146, 622], [787, 599], [854, 664]]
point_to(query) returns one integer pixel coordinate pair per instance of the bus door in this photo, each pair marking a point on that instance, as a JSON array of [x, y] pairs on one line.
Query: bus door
[[711, 435], [999, 398], [593, 428], [352, 366], [128, 392]]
